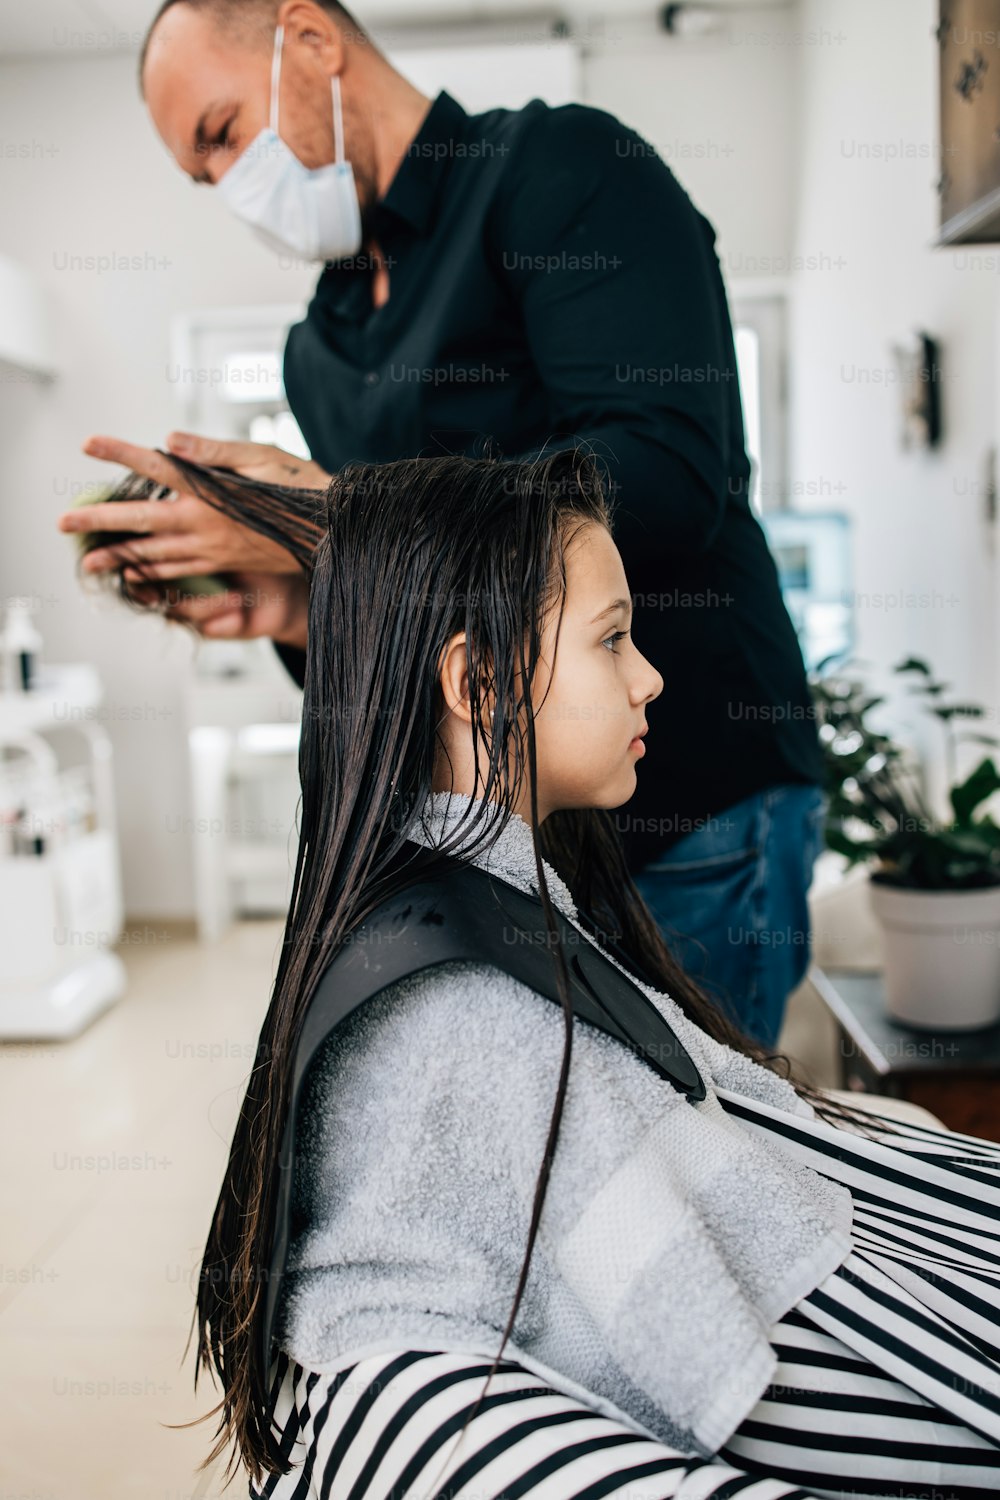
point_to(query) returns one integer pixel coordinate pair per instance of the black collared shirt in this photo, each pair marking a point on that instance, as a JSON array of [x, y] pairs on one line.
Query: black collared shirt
[[551, 281]]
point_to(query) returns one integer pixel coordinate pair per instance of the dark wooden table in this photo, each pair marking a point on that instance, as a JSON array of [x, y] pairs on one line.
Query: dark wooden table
[[955, 1074]]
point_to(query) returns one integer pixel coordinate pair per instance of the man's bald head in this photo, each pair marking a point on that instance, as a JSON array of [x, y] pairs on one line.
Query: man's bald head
[[247, 22]]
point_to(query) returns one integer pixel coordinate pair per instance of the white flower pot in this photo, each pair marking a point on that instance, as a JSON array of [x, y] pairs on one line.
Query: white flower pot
[[942, 955]]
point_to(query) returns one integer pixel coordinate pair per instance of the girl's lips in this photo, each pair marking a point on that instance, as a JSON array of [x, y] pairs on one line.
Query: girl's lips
[[638, 746]]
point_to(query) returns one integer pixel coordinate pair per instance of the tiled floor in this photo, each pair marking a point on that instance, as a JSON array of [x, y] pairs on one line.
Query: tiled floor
[[112, 1155]]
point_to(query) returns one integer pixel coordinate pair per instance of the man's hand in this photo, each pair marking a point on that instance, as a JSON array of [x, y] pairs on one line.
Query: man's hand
[[189, 536], [255, 460], [275, 605]]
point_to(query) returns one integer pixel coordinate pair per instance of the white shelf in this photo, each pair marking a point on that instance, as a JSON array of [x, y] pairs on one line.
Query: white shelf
[[62, 908], [62, 695], [66, 1005]]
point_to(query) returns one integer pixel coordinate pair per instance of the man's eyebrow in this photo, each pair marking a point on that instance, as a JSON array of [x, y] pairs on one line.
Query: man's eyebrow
[[618, 604], [201, 141]]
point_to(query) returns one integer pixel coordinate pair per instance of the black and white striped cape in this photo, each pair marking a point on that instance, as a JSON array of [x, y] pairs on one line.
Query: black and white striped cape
[[888, 1376]]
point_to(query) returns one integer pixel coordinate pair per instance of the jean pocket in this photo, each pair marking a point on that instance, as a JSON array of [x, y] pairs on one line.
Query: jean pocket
[[707, 866], [727, 843]]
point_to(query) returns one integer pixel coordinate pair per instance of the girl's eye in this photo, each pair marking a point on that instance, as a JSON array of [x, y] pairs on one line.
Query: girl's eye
[[619, 635]]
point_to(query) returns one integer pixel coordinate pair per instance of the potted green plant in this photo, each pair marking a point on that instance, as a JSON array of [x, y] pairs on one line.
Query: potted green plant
[[935, 882]]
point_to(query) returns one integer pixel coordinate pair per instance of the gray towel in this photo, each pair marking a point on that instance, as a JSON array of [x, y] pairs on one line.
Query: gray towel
[[671, 1237]]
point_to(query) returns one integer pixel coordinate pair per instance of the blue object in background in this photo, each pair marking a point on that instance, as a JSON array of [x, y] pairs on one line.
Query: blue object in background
[[813, 557]]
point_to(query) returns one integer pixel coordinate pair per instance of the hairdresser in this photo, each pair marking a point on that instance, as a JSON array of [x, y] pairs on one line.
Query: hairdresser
[[533, 276]]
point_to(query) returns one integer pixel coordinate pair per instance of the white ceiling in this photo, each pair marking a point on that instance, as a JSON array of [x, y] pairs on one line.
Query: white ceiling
[[87, 28]]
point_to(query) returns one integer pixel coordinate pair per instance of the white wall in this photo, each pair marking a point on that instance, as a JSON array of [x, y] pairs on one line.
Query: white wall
[[83, 175], [867, 209], [720, 111]]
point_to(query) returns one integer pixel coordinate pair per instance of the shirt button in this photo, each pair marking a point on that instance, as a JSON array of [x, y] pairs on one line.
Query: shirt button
[[372, 377]]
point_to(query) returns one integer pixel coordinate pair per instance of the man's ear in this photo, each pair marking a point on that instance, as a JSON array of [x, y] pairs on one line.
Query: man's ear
[[309, 25], [453, 675]]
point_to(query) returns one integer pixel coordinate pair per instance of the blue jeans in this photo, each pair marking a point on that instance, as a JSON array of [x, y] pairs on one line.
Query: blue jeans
[[730, 902]]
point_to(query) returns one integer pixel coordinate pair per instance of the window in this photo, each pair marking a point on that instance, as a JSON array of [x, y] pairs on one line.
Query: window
[[226, 367], [759, 333], [811, 548]]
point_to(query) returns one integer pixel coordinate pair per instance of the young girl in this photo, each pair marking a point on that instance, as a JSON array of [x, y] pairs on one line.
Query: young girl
[[510, 1276]]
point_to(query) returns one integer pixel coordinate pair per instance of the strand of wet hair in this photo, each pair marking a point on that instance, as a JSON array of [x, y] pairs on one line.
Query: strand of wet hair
[[293, 518]]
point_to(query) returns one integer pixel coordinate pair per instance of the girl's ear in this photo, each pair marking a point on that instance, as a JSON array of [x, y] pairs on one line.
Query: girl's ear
[[453, 675]]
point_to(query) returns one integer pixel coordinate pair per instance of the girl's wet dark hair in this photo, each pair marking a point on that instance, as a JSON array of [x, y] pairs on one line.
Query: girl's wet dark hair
[[401, 557]]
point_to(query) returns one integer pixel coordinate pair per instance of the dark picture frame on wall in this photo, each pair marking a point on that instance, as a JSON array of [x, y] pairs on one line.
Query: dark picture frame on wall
[[968, 36]]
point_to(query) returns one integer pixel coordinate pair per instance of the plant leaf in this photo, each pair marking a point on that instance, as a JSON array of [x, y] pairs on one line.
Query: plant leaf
[[913, 664], [982, 783]]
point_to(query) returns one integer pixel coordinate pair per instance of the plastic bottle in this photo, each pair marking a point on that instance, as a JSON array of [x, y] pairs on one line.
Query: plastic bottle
[[22, 645]]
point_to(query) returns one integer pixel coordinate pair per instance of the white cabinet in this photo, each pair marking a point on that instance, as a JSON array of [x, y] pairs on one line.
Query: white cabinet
[[61, 904]]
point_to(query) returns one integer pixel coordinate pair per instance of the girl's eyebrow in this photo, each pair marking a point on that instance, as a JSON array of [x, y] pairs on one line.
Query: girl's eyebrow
[[618, 604]]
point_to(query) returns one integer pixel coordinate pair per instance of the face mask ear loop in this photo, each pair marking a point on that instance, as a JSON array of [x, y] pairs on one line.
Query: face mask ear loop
[[338, 122], [279, 37]]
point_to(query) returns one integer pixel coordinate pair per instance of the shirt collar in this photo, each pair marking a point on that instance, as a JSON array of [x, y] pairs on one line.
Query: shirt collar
[[412, 193], [511, 856]]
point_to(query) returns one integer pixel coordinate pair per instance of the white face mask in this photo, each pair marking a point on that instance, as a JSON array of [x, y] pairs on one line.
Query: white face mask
[[310, 212]]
